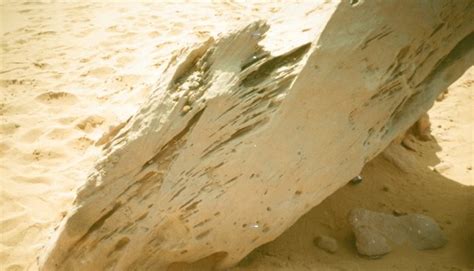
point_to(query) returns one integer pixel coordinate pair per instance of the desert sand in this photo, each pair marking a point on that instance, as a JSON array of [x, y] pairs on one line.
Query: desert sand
[[71, 72]]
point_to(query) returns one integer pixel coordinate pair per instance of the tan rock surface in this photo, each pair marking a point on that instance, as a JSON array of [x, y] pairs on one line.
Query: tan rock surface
[[227, 118], [71, 73]]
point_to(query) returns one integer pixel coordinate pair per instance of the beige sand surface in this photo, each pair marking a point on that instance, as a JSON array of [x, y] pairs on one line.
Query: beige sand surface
[[71, 72]]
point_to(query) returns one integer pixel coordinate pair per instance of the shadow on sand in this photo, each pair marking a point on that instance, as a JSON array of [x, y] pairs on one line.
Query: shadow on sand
[[398, 180]]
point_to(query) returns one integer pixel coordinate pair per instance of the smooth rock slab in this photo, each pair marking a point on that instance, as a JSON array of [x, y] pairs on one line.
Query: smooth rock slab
[[376, 232]]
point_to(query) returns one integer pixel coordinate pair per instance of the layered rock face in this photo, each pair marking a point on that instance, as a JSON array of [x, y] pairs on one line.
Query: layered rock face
[[235, 143]]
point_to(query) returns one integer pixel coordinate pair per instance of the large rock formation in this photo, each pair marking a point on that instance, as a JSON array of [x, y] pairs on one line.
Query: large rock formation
[[235, 143]]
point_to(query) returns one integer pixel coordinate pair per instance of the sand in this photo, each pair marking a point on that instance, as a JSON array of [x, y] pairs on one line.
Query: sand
[[72, 72]]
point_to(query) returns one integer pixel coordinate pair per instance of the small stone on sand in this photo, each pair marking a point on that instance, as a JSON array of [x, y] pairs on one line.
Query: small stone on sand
[[356, 180], [376, 232], [326, 243]]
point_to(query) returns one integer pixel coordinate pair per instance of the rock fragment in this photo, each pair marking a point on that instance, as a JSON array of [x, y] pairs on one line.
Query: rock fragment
[[423, 231], [376, 233], [370, 242], [326, 243], [356, 180]]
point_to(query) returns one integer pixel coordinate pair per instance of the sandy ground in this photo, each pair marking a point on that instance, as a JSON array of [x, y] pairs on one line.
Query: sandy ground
[[71, 72]]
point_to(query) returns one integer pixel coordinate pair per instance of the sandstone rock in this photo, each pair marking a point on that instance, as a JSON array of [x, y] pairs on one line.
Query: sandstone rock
[[423, 231], [422, 128], [326, 243], [237, 141], [442, 95], [371, 243], [375, 232]]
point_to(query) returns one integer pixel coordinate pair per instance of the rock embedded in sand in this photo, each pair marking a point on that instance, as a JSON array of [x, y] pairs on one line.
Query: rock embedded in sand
[[356, 180], [371, 243], [422, 128], [423, 231], [326, 243], [376, 233], [442, 95], [279, 133]]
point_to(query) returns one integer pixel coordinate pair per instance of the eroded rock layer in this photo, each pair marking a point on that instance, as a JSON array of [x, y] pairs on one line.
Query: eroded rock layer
[[235, 143]]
